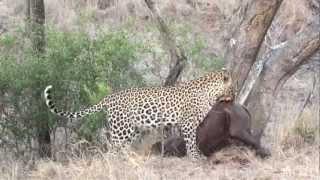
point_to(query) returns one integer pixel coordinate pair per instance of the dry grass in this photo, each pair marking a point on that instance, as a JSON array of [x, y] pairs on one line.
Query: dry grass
[[294, 156], [231, 163]]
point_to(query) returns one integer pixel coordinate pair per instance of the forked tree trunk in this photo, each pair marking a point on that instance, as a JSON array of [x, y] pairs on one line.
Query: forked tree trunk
[[245, 44], [280, 66], [259, 80]]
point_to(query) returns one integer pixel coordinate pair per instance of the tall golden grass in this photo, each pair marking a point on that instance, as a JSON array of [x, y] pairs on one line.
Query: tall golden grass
[[230, 163], [295, 157]]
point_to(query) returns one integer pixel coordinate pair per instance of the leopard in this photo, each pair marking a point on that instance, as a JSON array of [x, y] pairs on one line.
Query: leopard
[[129, 110]]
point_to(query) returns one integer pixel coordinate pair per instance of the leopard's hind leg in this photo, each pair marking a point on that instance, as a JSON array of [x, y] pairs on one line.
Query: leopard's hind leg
[[123, 133]]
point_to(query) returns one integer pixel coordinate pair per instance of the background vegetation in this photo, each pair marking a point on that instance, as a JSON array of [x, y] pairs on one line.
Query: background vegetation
[[81, 68], [95, 47]]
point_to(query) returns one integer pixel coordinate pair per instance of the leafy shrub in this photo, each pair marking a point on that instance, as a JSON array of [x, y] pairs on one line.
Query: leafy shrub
[[81, 69]]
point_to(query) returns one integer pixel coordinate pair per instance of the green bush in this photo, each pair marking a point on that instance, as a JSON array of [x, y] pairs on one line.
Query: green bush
[[82, 69]]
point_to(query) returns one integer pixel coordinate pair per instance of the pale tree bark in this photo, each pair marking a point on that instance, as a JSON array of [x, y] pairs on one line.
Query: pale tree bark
[[259, 79], [280, 66], [245, 45]]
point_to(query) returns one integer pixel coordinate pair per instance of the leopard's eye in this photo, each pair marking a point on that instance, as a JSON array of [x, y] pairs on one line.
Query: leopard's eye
[[225, 78]]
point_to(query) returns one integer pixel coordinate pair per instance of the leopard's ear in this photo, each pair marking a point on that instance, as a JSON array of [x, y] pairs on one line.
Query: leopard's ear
[[226, 75]]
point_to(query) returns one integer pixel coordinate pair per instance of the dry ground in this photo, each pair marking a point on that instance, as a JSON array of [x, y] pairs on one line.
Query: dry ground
[[233, 162]]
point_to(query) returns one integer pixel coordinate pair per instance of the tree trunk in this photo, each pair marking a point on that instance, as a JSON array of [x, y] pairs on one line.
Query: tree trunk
[[246, 42], [280, 66], [44, 140], [104, 4], [37, 21], [36, 12], [259, 78], [28, 17]]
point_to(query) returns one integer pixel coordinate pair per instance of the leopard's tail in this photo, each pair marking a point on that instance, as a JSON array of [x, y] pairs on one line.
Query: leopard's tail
[[70, 115]]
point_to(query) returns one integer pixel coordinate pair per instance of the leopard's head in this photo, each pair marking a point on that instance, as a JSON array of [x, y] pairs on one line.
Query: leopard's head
[[220, 87]]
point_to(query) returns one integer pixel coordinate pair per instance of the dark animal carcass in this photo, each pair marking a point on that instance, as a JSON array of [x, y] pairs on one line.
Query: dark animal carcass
[[173, 146], [225, 121]]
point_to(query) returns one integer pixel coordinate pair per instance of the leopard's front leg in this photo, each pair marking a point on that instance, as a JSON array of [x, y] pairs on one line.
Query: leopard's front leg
[[189, 130]]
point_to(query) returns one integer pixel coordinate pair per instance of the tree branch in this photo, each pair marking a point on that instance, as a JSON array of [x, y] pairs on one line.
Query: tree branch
[[280, 65], [177, 55], [287, 60]]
